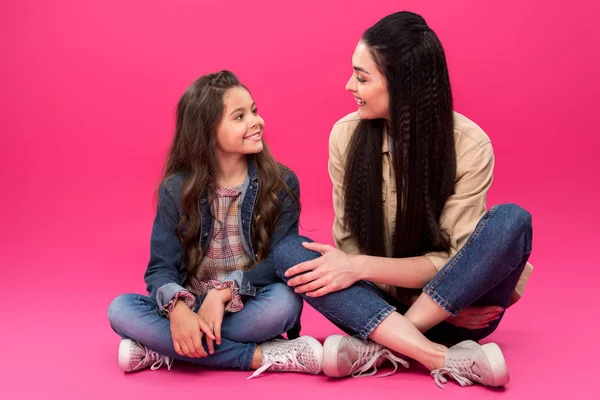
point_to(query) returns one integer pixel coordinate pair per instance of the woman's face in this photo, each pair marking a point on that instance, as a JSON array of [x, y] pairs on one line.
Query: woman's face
[[368, 85]]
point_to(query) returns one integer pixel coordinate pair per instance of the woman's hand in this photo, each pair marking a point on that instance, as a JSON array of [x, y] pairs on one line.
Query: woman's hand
[[187, 329], [331, 272], [212, 311]]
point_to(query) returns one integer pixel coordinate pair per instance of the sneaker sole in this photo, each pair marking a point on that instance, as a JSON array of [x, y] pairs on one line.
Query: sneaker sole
[[330, 355], [497, 363]]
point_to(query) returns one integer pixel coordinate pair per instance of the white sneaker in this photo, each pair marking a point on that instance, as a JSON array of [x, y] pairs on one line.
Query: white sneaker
[[469, 362], [134, 357], [304, 354], [345, 355]]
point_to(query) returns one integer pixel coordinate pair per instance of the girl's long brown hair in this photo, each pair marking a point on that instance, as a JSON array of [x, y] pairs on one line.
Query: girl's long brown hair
[[192, 153]]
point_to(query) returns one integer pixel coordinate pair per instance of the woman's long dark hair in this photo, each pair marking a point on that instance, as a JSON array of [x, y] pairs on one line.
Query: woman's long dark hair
[[192, 153], [410, 56]]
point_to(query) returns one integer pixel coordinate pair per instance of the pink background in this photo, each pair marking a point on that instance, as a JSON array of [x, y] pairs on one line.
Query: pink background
[[87, 97]]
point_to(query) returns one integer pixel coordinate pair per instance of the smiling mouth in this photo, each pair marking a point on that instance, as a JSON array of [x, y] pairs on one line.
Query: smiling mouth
[[256, 135], [359, 101]]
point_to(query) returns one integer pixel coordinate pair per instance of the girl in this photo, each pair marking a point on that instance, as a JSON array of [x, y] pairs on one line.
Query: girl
[[418, 258], [224, 205]]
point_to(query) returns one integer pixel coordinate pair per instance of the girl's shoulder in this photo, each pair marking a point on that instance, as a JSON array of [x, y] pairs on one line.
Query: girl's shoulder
[[172, 185], [287, 174]]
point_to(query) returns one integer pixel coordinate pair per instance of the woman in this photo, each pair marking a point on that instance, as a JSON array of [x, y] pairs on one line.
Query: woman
[[419, 261]]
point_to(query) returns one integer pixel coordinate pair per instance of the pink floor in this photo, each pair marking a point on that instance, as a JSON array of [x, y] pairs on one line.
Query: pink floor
[[87, 93], [57, 342]]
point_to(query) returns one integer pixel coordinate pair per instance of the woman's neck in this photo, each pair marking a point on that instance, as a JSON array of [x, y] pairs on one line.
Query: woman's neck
[[232, 170]]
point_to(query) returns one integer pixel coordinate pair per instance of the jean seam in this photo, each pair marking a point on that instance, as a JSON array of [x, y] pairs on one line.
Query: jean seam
[[431, 286], [373, 323], [435, 296], [333, 317], [248, 356], [359, 331], [376, 320]]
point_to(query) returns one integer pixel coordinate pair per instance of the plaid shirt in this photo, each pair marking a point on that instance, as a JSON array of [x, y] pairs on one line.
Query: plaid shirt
[[225, 254]]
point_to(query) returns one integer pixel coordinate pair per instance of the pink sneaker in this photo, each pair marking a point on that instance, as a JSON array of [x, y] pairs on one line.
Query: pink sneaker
[[134, 357], [469, 362]]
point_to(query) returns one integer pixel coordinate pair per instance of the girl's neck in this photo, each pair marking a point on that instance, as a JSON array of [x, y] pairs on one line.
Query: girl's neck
[[232, 170]]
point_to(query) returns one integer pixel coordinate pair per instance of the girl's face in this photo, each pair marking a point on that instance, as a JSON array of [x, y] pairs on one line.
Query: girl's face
[[241, 128], [368, 85]]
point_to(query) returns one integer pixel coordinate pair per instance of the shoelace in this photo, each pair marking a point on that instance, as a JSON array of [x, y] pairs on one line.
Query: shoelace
[[279, 360], [158, 360], [460, 370], [369, 353]]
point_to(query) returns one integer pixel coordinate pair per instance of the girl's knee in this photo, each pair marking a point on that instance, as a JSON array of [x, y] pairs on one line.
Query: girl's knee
[[284, 306], [286, 300], [290, 252], [117, 308], [123, 309]]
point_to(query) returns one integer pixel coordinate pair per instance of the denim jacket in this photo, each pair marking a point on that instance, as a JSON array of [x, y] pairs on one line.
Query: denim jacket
[[165, 274]]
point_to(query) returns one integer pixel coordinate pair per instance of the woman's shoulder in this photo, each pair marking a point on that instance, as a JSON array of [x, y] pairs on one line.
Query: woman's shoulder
[[342, 130], [467, 130], [348, 119], [470, 140]]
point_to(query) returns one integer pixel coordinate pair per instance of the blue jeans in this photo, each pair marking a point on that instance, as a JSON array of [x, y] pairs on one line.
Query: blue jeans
[[274, 310], [485, 271]]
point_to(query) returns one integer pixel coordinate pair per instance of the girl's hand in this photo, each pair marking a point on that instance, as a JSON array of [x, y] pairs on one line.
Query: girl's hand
[[186, 331], [476, 317], [212, 311], [331, 272]]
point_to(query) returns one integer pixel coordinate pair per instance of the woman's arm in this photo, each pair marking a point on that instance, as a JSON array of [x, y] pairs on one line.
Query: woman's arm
[[410, 272], [461, 213], [337, 269], [467, 204]]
